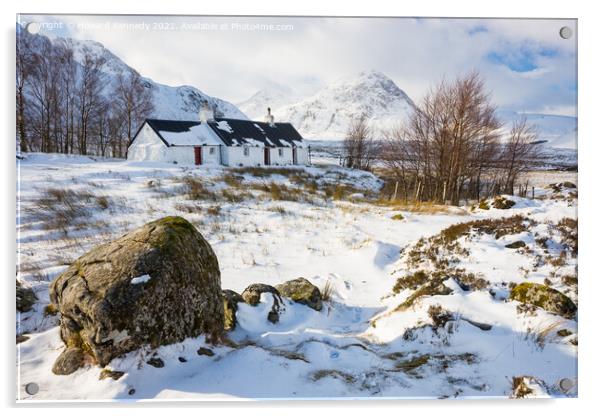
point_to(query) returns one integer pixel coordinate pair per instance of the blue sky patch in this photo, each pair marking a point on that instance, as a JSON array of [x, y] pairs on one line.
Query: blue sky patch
[[522, 59]]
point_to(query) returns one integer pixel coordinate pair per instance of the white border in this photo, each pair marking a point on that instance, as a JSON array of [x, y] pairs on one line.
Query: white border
[[590, 185]]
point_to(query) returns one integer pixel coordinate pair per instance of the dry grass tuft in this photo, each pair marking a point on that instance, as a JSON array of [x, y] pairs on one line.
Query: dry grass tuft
[[327, 291]]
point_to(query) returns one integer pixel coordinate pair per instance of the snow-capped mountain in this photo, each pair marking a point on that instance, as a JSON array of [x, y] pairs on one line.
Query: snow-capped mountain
[[274, 95], [328, 113], [175, 103], [557, 131]]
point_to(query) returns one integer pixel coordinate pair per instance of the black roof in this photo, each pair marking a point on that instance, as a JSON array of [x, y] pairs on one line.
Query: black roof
[[175, 126], [235, 132]]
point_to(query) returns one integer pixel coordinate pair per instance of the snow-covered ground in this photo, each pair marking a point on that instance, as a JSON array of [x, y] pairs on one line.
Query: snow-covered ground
[[361, 344]]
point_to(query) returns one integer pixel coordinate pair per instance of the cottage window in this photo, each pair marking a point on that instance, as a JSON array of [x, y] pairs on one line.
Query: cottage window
[[280, 152], [245, 150], [211, 150]]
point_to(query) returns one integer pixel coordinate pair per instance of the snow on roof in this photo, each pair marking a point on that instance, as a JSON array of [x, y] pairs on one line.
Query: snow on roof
[[223, 125], [255, 133], [185, 133]]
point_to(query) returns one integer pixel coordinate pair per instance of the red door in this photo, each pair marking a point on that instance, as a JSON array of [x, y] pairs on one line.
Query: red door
[[266, 155], [294, 155], [198, 155]]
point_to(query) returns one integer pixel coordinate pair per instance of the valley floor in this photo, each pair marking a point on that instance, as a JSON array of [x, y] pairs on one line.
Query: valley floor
[[320, 223]]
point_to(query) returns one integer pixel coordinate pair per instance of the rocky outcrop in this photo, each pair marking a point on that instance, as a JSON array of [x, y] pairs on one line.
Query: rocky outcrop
[[302, 291], [544, 297], [157, 285], [252, 296]]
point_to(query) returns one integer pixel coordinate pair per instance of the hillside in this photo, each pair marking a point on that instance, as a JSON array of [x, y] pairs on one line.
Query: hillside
[[420, 300], [171, 102]]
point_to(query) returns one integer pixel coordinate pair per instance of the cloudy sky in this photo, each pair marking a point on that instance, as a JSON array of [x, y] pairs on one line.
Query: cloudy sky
[[526, 64]]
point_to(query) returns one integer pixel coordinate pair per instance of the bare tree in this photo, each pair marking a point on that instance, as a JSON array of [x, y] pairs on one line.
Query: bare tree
[[134, 100], [64, 102], [518, 154], [90, 97], [448, 142], [358, 146], [24, 69]]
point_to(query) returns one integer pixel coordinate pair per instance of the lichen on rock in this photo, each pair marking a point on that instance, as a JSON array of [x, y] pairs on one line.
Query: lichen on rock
[[302, 291], [231, 300], [544, 297], [105, 315]]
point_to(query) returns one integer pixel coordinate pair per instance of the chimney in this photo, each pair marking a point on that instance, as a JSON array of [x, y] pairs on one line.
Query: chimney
[[206, 112], [269, 118]]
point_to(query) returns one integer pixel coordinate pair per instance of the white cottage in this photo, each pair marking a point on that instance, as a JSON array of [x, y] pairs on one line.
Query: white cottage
[[219, 141]]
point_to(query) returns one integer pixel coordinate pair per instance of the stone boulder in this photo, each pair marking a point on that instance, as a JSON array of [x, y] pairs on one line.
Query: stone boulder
[[544, 297], [231, 300], [252, 296], [157, 285], [302, 291]]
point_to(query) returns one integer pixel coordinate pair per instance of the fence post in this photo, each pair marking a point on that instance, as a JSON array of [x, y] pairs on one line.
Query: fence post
[[395, 193]]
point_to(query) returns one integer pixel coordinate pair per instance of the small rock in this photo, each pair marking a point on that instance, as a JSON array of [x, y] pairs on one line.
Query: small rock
[[569, 185], [106, 373], [563, 333], [21, 338], [25, 298], [302, 291], [70, 360], [205, 351], [252, 294], [544, 297], [480, 325], [156, 362], [131, 392], [516, 244], [182, 359]]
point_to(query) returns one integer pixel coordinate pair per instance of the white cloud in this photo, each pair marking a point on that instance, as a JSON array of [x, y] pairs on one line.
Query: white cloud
[[233, 64]]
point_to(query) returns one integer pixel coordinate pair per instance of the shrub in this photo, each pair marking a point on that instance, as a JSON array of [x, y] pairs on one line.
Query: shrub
[[439, 316], [232, 180], [338, 193], [411, 281], [397, 217], [327, 291], [60, 208], [196, 189], [500, 202], [214, 210]]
